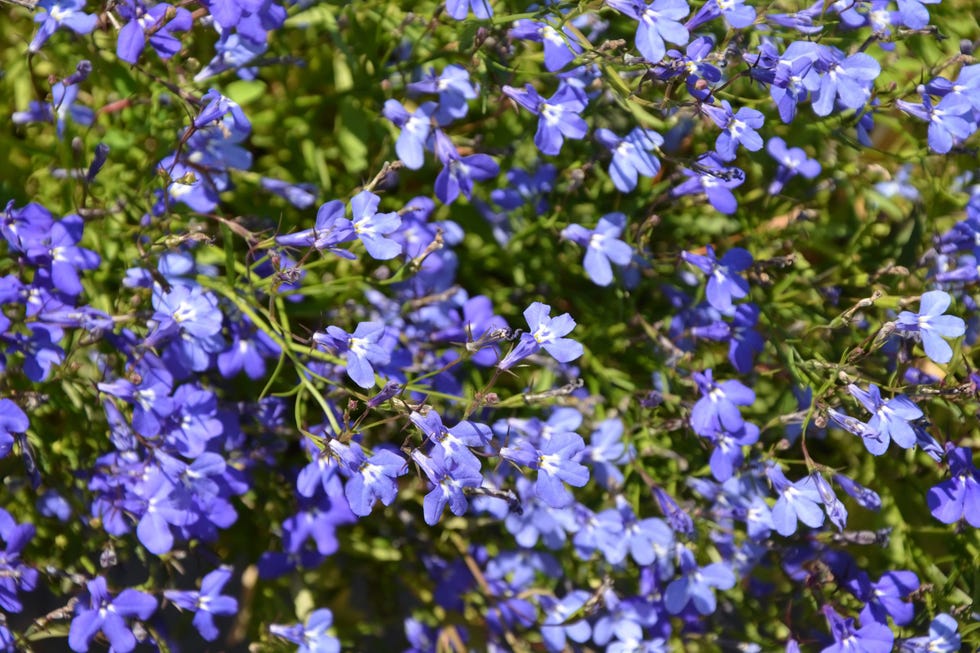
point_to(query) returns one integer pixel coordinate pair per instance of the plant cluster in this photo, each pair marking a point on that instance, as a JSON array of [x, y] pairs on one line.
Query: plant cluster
[[459, 326]]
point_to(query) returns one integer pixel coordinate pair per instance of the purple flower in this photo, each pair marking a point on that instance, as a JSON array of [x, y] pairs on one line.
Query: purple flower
[[658, 22], [602, 246], [558, 115], [459, 172], [735, 13], [724, 284], [153, 20], [455, 442], [313, 637], [848, 80], [57, 14], [59, 110], [870, 638], [739, 128], [797, 501], [950, 121], [932, 326], [697, 584], [890, 420], [459, 9], [454, 88], [717, 409], [330, 230], [547, 332], [560, 47], [556, 629], [449, 480], [959, 497], [101, 614], [887, 597], [15, 576], [374, 480], [792, 161], [415, 130], [362, 348], [557, 463], [710, 177], [12, 420], [632, 155], [942, 638], [372, 227], [207, 602]]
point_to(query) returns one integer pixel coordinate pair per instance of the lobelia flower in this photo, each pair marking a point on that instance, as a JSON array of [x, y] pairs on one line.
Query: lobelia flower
[[558, 116], [362, 348], [735, 13], [836, 511], [949, 120], [459, 9], [459, 172], [374, 480], [449, 480], [739, 128], [797, 501], [454, 88], [865, 497], [61, 108], [560, 47], [312, 637], [557, 463], [889, 419], [847, 80], [602, 246], [942, 638], [456, 442], [372, 227], [697, 584], [712, 178], [658, 22], [632, 155], [717, 409], [12, 420], [606, 452], [886, 598], [932, 326], [207, 602], [101, 614], [959, 497], [547, 332], [870, 638], [556, 630], [155, 21], [57, 14], [330, 230], [415, 130], [792, 161], [15, 576]]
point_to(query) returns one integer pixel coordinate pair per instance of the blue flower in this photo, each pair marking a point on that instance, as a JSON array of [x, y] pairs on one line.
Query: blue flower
[[602, 246], [717, 409], [949, 120], [374, 480], [560, 48], [942, 638], [102, 614], [932, 326], [870, 638], [362, 348], [959, 497], [739, 128], [459, 9], [558, 115], [207, 602], [459, 172], [632, 155], [57, 14], [12, 420], [415, 130], [454, 88], [372, 227], [697, 584], [724, 284], [792, 161], [547, 332], [314, 636], [797, 501], [889, 419], [557, 463], [658, 22]]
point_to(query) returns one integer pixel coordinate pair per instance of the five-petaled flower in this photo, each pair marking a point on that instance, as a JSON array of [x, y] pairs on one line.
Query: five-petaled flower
[[547, 332]]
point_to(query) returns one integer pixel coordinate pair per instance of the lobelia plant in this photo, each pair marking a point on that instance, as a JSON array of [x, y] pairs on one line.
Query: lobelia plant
[[264, 382]]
